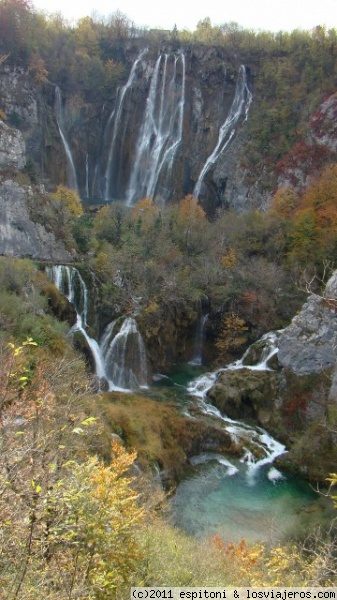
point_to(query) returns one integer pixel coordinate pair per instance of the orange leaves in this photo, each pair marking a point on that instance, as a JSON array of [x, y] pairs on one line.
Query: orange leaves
[[245, 561], [313, 217], [284, 202], [189, 208]]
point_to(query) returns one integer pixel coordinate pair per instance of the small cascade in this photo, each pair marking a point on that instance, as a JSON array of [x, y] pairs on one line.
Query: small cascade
[[120, 357], [240, 106], [124, 355], [72, 179], [161, 131], [254, 440], [200, 386], [197, 358], [115, 124]]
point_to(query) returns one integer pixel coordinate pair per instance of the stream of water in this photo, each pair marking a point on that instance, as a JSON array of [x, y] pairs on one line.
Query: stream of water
[[245, 497]]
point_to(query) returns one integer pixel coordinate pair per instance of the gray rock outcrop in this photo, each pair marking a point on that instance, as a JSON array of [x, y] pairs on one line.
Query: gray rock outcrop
[[19, 236], [12, 148], [309, 344], [18, 97]]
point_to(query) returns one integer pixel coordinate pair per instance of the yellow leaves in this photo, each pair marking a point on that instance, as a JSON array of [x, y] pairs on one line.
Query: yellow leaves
[[103, 265], [286, 566], [233, 335], [151, 308], [68, 199], [284, 202], [229, 260], [145, 213], [35, 486]]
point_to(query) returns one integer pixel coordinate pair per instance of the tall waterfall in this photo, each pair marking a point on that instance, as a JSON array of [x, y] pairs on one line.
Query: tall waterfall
[[161, 131], [120, 356], [241, 103], [118, 127], [72, 179]]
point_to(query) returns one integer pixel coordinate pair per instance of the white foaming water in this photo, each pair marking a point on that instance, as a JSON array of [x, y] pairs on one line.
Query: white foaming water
[[241, 104], [115, 118], [161, 131], [72, 179], [206, 457], [266, 447], [120, 357], [274, 475], [125, 356]]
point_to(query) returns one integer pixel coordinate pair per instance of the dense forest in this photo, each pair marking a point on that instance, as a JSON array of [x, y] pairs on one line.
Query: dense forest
[[83, 514]]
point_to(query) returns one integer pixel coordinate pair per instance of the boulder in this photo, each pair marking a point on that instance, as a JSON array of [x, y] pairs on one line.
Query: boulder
[[246, 394], [309, 344]]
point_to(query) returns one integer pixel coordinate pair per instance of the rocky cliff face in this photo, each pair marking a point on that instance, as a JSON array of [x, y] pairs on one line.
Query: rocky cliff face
[[196, 91], [12, 148], [19, 235], [188, 95], [22, 101], [310, 154], [309, 344]]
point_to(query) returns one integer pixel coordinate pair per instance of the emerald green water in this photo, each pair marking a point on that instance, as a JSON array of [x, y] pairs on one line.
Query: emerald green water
[[233, 500], [210, 502]]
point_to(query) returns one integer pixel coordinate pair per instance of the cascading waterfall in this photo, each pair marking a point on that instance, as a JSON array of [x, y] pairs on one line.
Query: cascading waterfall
[[69, 282], [120, 357], [72, 179], [115, 120], [161, 132], [254, 437], [125, 355], [241, 104]]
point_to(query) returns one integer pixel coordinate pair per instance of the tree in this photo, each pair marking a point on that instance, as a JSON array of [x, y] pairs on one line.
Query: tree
[[315, 220], [144, 214], [232, 335], [191, 226], [284, 202], [69, 522], [69, 199]]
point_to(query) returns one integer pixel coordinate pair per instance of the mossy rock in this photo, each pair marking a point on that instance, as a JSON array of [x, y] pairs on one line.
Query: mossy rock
[[245, 394], [158, 432]]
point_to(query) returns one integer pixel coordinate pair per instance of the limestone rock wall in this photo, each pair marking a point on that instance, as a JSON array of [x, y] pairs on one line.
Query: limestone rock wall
[[12, 148], [19, 236], [309, 343]]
